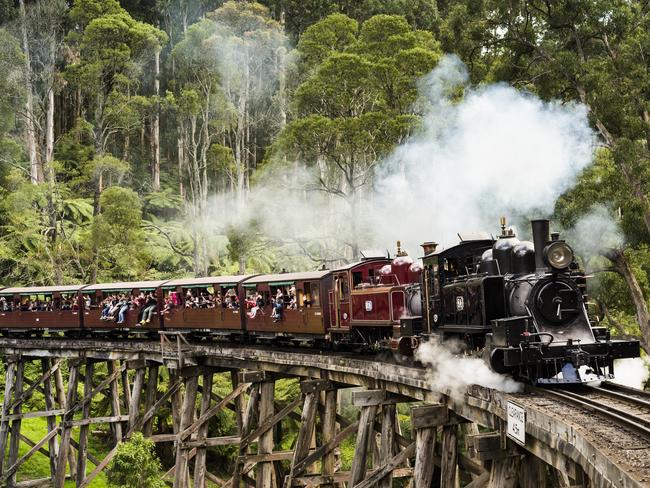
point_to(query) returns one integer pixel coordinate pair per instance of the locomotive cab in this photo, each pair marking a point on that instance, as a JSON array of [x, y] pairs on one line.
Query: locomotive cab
[[461, 300]]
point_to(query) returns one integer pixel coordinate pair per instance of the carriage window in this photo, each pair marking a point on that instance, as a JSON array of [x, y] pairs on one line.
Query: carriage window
[[357, 278], [311, 296], [68, 301], [315, 295], [199, 296], [36, 303], [6, 305]]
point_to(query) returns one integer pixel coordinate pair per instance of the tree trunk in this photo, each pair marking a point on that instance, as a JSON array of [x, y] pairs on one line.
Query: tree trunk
[[242, 263], [49, 128], [181, 158], [36, 174], [618, 258], [155, 173], [282, 83]]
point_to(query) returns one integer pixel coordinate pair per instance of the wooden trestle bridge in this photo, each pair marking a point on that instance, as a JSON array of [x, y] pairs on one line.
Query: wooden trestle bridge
[[445, 448]]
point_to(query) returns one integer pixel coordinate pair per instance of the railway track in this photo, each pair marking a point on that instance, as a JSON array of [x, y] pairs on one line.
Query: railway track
[[625, 406]]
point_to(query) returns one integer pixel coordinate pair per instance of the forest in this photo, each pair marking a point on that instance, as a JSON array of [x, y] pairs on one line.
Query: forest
[[144, 139], [151, 139]]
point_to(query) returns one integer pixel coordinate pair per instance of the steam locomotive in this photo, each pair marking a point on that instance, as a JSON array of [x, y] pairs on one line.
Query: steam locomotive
[[520, 305]]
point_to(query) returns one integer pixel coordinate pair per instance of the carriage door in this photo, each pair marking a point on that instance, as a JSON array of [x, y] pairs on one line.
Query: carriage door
[[341, 301]]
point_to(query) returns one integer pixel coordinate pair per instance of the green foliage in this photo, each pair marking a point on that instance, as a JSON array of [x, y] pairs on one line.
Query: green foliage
[[355, 104], [300, 15], [135, 465], [335, 33], [117, 236], [10, 88], [247, 247]]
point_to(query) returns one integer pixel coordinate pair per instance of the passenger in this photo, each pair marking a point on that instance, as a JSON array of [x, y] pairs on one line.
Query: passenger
[[189, 300], [169, 304], [233, 303], [115, 307], [124, 307], [3, 304], [106, 306], [109, 307], [150, 308], [279, 307], [274, 312], [86, 300], [253, 304], [293, 302]]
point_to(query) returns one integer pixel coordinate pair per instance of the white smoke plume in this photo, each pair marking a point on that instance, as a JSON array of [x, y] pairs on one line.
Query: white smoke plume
[[496, 151], [499, 151], [595, 232], [632, 372], [450, 371]]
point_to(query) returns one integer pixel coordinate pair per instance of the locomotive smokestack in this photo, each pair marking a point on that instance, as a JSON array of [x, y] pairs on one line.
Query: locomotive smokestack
[[540, 239]]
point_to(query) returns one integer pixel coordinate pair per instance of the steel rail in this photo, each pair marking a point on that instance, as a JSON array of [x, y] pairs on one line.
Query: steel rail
[[622, 397], [623, 418], [629, 389]]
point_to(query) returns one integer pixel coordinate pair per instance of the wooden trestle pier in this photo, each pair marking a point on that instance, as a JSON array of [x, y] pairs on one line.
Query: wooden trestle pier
[[445, 447]]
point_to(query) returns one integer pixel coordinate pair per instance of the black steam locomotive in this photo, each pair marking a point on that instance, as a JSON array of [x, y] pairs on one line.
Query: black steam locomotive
[[521, 305]]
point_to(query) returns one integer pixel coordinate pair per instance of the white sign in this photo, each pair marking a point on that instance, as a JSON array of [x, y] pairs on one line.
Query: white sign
[[517, 423], [368, 305], [460, 303]]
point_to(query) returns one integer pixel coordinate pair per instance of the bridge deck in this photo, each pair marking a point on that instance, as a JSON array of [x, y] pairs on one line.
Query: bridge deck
[[557, 434]]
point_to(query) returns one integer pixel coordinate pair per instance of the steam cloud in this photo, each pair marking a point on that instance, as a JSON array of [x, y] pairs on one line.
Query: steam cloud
[[595, 232], [632, 372], [498, 151], [453, 373]]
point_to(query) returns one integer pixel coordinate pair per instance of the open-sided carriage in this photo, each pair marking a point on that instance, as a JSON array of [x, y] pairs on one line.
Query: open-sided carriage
[[220, 316], [94, 295], [42, 307], [306, 318]]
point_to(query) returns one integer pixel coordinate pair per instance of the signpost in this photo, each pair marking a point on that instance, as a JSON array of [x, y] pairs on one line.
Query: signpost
[[517, 423]]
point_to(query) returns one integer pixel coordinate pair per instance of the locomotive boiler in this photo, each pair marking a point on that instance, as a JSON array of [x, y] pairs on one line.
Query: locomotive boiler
[[521, 305]]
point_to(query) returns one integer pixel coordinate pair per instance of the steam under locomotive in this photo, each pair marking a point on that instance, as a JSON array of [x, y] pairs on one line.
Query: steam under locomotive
[[520, 305]]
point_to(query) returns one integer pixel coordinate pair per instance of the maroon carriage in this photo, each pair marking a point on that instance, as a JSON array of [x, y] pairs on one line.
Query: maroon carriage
[[369, 298], [40, 307], [304, 310], [139, 295], [346, 279], [204, 303]]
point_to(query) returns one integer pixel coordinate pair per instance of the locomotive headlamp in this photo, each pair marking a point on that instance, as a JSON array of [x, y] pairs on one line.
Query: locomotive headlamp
[[558, 254]]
